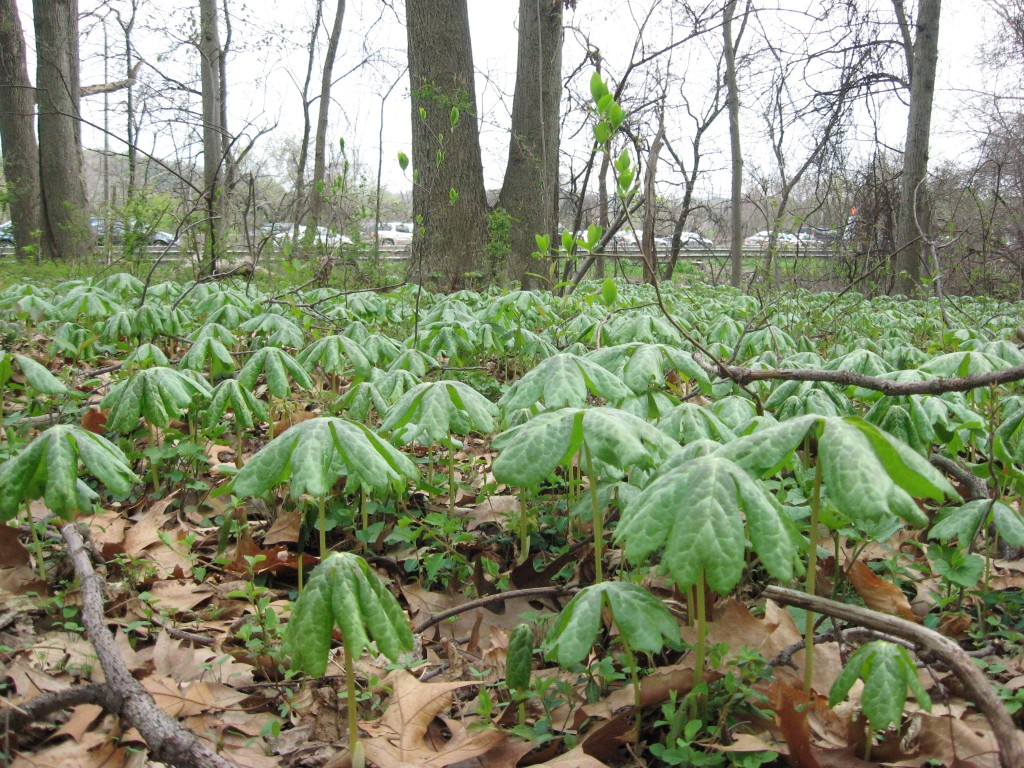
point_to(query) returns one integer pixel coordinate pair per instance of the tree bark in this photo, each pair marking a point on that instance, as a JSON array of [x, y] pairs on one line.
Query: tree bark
[[529, 192], [914, 216], [64, 218], [17, 134], [213, 179], [449, 203], [733, 100], [320, 148]]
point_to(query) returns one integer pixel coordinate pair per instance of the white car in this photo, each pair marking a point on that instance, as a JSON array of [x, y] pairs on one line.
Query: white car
[[394, 232]]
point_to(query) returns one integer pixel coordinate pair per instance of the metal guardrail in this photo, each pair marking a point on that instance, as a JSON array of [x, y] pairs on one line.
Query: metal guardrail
[[402, 252]]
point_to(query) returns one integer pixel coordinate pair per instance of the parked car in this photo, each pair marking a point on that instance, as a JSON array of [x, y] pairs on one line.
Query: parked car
[[783, 240], [7, 233], [282, 231], [394, 232], [117, 232], [819, 235]]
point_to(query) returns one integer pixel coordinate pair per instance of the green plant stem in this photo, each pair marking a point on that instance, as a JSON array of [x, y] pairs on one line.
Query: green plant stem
[[321, 503], [524, 530], [598, 518], [238, 447], [702, 637], [635, 676], [451, 476], [353, 713], [812, 572], [363, 515], [37, 543], [154, 441]]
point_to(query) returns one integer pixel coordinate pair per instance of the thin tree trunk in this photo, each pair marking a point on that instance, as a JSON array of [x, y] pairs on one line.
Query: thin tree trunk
[[213, 179], [529, 191], [17, 134], [301, 198], [733, 99], [320, 149], [914, 217], [449, 202]]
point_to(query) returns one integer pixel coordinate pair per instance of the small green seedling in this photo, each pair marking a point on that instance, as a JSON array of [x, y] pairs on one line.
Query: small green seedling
[[888, 672], [643, 622], [343, 591]]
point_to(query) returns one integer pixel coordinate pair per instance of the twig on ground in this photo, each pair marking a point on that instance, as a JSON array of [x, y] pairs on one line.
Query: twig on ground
[[167, 739], [976, 686]]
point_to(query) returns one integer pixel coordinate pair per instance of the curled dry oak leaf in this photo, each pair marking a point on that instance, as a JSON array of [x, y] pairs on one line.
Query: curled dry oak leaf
[[879, 594], [406, 735]]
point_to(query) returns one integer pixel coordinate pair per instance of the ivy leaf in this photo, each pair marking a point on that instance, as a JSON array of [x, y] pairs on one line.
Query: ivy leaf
[[702, 513], [156, 394], [312, 456], [560, 381], [277, 366], [643, 621], [48, 468], [344, 591], [438, 409], [887, 671]]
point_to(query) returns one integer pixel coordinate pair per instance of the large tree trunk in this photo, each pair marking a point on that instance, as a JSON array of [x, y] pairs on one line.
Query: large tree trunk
[[64, 223], [530, 189], [914, 217], [213, 175], [17, 134], [320, 149], [301, 198], [733, 100], [448, 201]]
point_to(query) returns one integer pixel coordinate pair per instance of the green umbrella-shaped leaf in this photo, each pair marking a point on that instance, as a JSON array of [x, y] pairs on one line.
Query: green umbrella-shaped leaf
[[440, 408], [344, 591], [280, 370], [48, 468], [38, 376], [335, 354], [530, 452], [311, 456], [229, 395], [964, 522], [702, 513], [156, 394], [887, 671], [643, 621], [561, 381]]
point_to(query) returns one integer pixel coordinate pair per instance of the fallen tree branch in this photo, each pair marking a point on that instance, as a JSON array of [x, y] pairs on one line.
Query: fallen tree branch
[[167, 739], [976, 686], [743, 376], [976, 487], [17, 717], [501, 597]]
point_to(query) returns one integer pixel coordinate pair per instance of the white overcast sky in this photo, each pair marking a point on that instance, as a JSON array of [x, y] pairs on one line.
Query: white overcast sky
[[265, 76]]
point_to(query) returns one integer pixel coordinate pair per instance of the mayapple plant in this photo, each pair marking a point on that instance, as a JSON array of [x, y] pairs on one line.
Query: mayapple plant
[[344, 592], [313, 455], [530, 453], [48, 468]]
